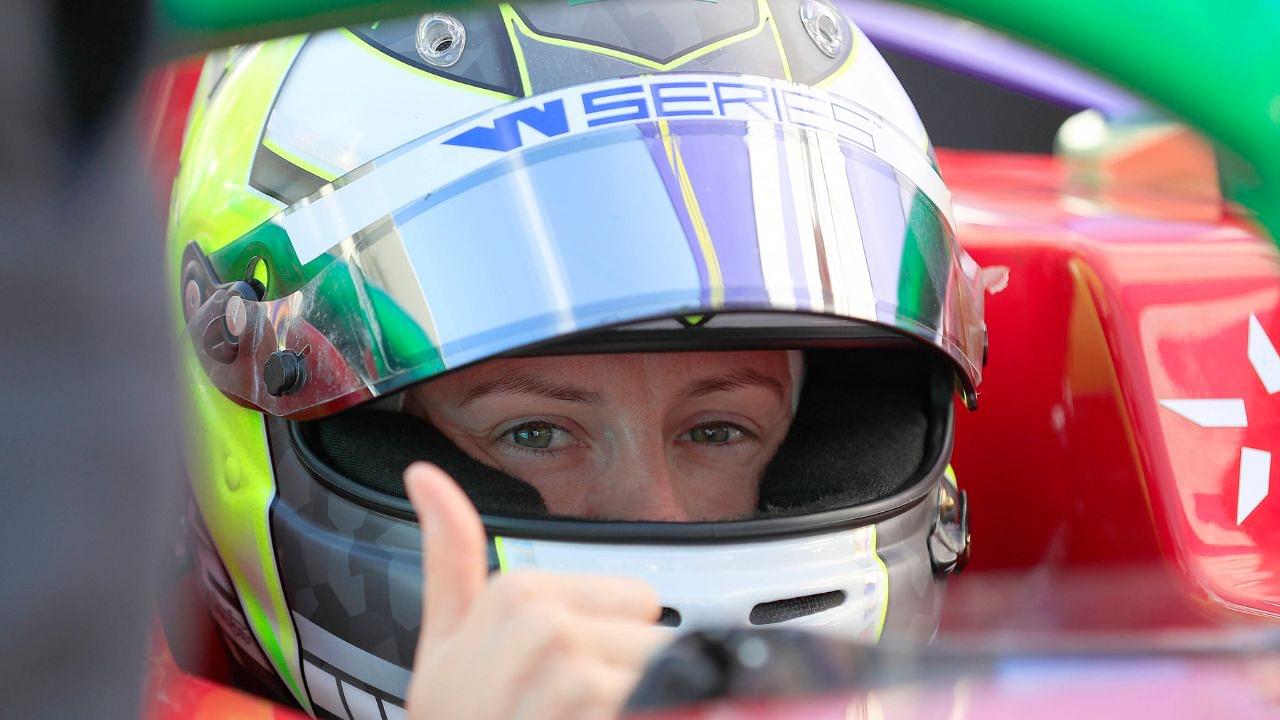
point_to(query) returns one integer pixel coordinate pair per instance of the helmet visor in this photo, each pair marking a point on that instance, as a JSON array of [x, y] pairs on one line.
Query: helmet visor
[[561, 233]]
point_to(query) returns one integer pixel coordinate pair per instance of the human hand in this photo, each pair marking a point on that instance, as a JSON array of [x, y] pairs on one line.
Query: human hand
[[529, 644]]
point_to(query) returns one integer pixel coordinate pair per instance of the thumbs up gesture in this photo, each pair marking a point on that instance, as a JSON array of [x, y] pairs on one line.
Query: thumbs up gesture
[[527, 644]]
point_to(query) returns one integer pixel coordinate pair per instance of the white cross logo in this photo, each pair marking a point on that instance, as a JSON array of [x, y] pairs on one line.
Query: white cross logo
[[1255, 464]]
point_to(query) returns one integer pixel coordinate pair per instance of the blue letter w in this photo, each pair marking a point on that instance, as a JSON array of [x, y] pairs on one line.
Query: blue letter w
[[549, 120]]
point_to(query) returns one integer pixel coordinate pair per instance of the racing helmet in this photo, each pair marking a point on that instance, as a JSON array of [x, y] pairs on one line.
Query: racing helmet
[[361, 210]]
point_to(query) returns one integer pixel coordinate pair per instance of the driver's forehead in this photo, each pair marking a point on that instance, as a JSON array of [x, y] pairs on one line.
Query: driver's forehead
[[599, 373]]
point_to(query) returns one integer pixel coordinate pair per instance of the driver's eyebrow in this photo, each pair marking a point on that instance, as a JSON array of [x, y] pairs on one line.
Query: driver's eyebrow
[[530, 385], [740, 378]]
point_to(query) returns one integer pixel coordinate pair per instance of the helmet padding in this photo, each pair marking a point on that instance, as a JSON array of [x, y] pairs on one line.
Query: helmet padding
[[859, 433], [373, 447]]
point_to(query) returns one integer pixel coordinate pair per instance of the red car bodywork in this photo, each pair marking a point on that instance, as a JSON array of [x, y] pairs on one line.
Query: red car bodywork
[[1093, 506]]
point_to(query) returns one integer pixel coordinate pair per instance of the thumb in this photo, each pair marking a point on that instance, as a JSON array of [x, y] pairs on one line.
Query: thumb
[[454, 557]]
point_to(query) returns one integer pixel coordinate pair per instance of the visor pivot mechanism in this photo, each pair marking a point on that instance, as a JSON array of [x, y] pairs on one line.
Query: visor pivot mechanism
[[192, 297], [949, 541], [285, 371], [221, 338]]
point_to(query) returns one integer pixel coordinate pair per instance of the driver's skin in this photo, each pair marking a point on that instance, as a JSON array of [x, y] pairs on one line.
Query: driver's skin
[[671, 437]]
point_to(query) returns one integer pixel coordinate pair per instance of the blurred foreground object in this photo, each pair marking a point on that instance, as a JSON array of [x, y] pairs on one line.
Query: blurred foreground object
[[783, 675], [89, 462]]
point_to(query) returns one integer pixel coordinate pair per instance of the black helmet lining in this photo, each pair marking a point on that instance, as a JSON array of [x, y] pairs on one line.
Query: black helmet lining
[[860, 432], [373, 447]]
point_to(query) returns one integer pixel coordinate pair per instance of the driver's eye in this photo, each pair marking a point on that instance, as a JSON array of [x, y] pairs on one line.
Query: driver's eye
[[537, 436], [714, 434]]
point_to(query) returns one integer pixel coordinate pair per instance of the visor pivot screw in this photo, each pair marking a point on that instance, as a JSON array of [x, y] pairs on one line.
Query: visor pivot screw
[[284, 372], [191, 297], [222, 335], [237, 316], [949, 540], [218, 343], [440, 39], [823, 25]]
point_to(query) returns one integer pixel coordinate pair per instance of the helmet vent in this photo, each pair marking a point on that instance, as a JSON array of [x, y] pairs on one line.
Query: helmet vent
[[823, 26], [670, 617], [441, 39], [777, 611]]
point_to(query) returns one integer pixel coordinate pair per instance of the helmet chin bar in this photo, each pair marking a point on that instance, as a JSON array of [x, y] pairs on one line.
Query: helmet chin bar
[[839, 586], [829, 580]]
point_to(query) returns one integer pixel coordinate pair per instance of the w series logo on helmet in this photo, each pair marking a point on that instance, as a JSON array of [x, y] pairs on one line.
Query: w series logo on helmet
[[637, 101], [319, 224]]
